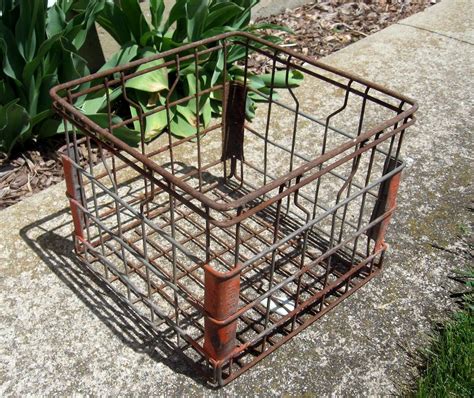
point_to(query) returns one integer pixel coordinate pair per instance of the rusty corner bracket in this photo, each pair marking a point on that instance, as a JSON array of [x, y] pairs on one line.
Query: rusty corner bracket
[[233, 145], [221, 299], [386, 202], [74, 195]]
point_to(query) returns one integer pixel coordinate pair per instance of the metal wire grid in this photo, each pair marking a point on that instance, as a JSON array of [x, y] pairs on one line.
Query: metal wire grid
[[301, 229]]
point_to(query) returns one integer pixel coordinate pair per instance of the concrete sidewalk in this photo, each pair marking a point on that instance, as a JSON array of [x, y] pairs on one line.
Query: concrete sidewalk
[[61, 334]]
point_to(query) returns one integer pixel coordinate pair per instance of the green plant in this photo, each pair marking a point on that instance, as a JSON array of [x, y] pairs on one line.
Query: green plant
[[187, 22], [38, 49], [449, 361]]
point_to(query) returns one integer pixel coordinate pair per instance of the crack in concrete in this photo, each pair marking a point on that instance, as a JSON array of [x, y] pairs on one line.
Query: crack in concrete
[[434, 32]]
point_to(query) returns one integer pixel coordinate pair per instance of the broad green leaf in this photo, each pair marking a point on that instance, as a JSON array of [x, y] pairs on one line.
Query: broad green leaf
[[44, 99], [121, 57], [177, 12], [45, 47], [155, 123], [152, 81], [250, 108], [181, 128], [196, 14], [219, 67], [157, 7], [114, 21], [14, 125], [129, 136], [136, 21], [281, 80], [39, 117], [244, 19], [50, 127], [187, 113], [56, 20], [222, 13], [216, 107], [206, 111], [236, 53], [12, 62], [25, 33], [217, 30], [6, 92], [77, 27]]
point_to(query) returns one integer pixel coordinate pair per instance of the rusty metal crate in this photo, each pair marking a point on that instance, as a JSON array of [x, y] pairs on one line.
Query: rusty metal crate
[[234, 239]]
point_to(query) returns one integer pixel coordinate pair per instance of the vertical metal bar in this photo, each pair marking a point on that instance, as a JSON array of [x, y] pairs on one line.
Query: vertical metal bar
[[237, 237], [96, 206], [267, 125], [224, 106], [198, 113], [324, 144], [355, 163], [276, 230]]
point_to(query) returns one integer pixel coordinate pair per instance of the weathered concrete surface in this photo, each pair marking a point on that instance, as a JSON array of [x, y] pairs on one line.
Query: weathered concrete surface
[[61, 334], [452, 18]]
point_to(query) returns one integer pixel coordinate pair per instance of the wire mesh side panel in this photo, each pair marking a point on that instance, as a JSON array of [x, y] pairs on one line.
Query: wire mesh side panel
[[235, 238]]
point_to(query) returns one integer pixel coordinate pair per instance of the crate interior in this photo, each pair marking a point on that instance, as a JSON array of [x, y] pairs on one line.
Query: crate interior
[[130, 213]]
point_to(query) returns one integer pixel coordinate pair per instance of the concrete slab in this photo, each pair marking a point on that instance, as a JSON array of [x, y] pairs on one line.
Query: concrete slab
[[62, 334], [452, 18]]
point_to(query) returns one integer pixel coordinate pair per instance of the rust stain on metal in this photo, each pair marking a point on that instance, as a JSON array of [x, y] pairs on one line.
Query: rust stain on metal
[[228, 266], [221, 300]]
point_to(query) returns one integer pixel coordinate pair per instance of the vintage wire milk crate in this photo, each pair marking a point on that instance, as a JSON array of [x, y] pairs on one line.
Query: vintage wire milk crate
[[234, 238]]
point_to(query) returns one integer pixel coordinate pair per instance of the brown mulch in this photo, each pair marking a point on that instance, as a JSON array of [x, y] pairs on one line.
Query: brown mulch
[[320, 28], [34, 169], [323, 27]]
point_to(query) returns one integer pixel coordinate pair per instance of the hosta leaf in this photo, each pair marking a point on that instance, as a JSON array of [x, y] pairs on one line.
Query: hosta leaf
[[152, 81]]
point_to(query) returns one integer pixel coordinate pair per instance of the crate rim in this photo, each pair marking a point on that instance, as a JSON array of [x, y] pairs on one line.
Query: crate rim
[[66, 110]]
